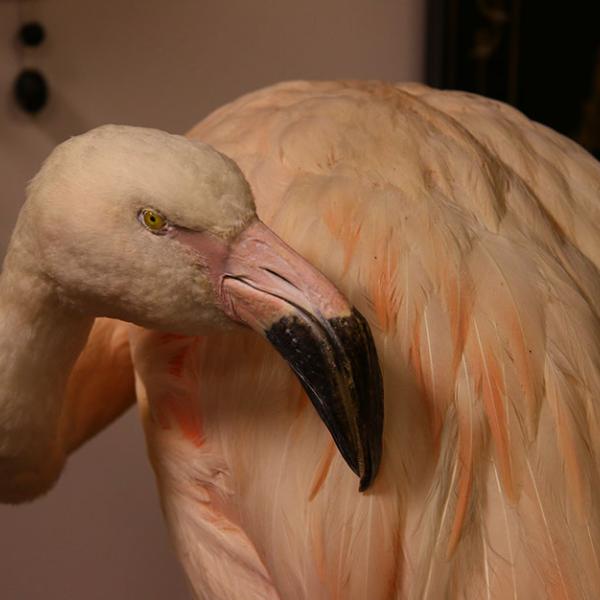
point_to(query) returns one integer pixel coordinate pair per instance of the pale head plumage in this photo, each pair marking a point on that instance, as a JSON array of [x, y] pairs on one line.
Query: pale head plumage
[[80, 223]]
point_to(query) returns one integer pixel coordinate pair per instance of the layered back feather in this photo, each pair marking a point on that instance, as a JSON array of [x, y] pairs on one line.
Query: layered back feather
[[469, 238]]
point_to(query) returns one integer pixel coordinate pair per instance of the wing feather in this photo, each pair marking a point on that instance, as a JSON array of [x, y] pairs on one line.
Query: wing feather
[[469, 238]]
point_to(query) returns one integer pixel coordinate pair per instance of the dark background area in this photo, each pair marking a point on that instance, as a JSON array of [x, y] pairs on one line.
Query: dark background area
[[542, 57]]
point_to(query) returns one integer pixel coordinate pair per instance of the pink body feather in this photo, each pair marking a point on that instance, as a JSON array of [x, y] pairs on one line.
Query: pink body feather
[[469, 238]]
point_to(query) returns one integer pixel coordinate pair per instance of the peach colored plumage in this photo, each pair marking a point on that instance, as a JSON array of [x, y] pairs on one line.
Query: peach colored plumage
[[469, 237]]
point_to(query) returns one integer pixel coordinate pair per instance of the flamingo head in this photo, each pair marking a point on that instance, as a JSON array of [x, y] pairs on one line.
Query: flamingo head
[[154, 229]]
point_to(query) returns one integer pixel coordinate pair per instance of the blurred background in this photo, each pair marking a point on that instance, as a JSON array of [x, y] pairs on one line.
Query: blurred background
[[69, 65], [77, 64], [542, 57]]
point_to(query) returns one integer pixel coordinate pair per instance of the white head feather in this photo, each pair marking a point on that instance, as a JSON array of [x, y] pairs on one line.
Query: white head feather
[[79, 227]]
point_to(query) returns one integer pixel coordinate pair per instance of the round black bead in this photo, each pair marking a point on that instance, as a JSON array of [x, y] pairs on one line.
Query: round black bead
[[32, 34], [31, 90]]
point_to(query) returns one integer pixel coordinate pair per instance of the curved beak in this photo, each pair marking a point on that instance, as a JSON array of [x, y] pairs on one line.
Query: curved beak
[[264, 284]]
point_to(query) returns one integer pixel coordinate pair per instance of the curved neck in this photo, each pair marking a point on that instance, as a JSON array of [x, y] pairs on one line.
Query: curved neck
[[40, 340]]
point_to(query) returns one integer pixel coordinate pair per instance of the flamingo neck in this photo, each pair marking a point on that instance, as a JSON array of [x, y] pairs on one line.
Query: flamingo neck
[[40, 340]]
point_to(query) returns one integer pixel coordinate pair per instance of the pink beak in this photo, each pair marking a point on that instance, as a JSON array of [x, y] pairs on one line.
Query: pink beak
[[261, 282]]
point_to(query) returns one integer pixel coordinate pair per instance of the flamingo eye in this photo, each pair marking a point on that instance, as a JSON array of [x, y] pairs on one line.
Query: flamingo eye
[[152, 220]]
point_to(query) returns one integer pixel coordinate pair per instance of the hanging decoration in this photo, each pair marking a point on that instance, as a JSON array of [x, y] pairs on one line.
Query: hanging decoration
[[30, 88]]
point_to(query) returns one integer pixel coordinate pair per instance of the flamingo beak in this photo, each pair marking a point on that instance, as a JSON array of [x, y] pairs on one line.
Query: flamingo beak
[[261, 282]]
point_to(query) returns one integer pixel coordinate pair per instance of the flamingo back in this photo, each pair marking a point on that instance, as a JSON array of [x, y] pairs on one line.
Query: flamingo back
[[469, 238]]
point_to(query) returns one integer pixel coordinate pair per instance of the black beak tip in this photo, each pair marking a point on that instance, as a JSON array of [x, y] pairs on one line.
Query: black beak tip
[[336, 362], [369, 473], [365, 482]]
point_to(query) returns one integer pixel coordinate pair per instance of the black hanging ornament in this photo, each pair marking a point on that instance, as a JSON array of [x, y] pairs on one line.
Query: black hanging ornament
[[31, 90], [32, 33]]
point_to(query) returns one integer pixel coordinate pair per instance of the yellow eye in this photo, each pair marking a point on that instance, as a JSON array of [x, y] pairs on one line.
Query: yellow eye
[[152, 219]]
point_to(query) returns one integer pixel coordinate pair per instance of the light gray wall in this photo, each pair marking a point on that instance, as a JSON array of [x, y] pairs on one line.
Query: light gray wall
[[99, 533]]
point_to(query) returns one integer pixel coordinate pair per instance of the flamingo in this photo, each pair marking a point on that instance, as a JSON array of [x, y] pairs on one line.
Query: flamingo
[[467, 236]]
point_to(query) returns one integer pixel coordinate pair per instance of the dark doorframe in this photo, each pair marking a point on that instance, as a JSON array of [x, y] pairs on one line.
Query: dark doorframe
[[542, 57]]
